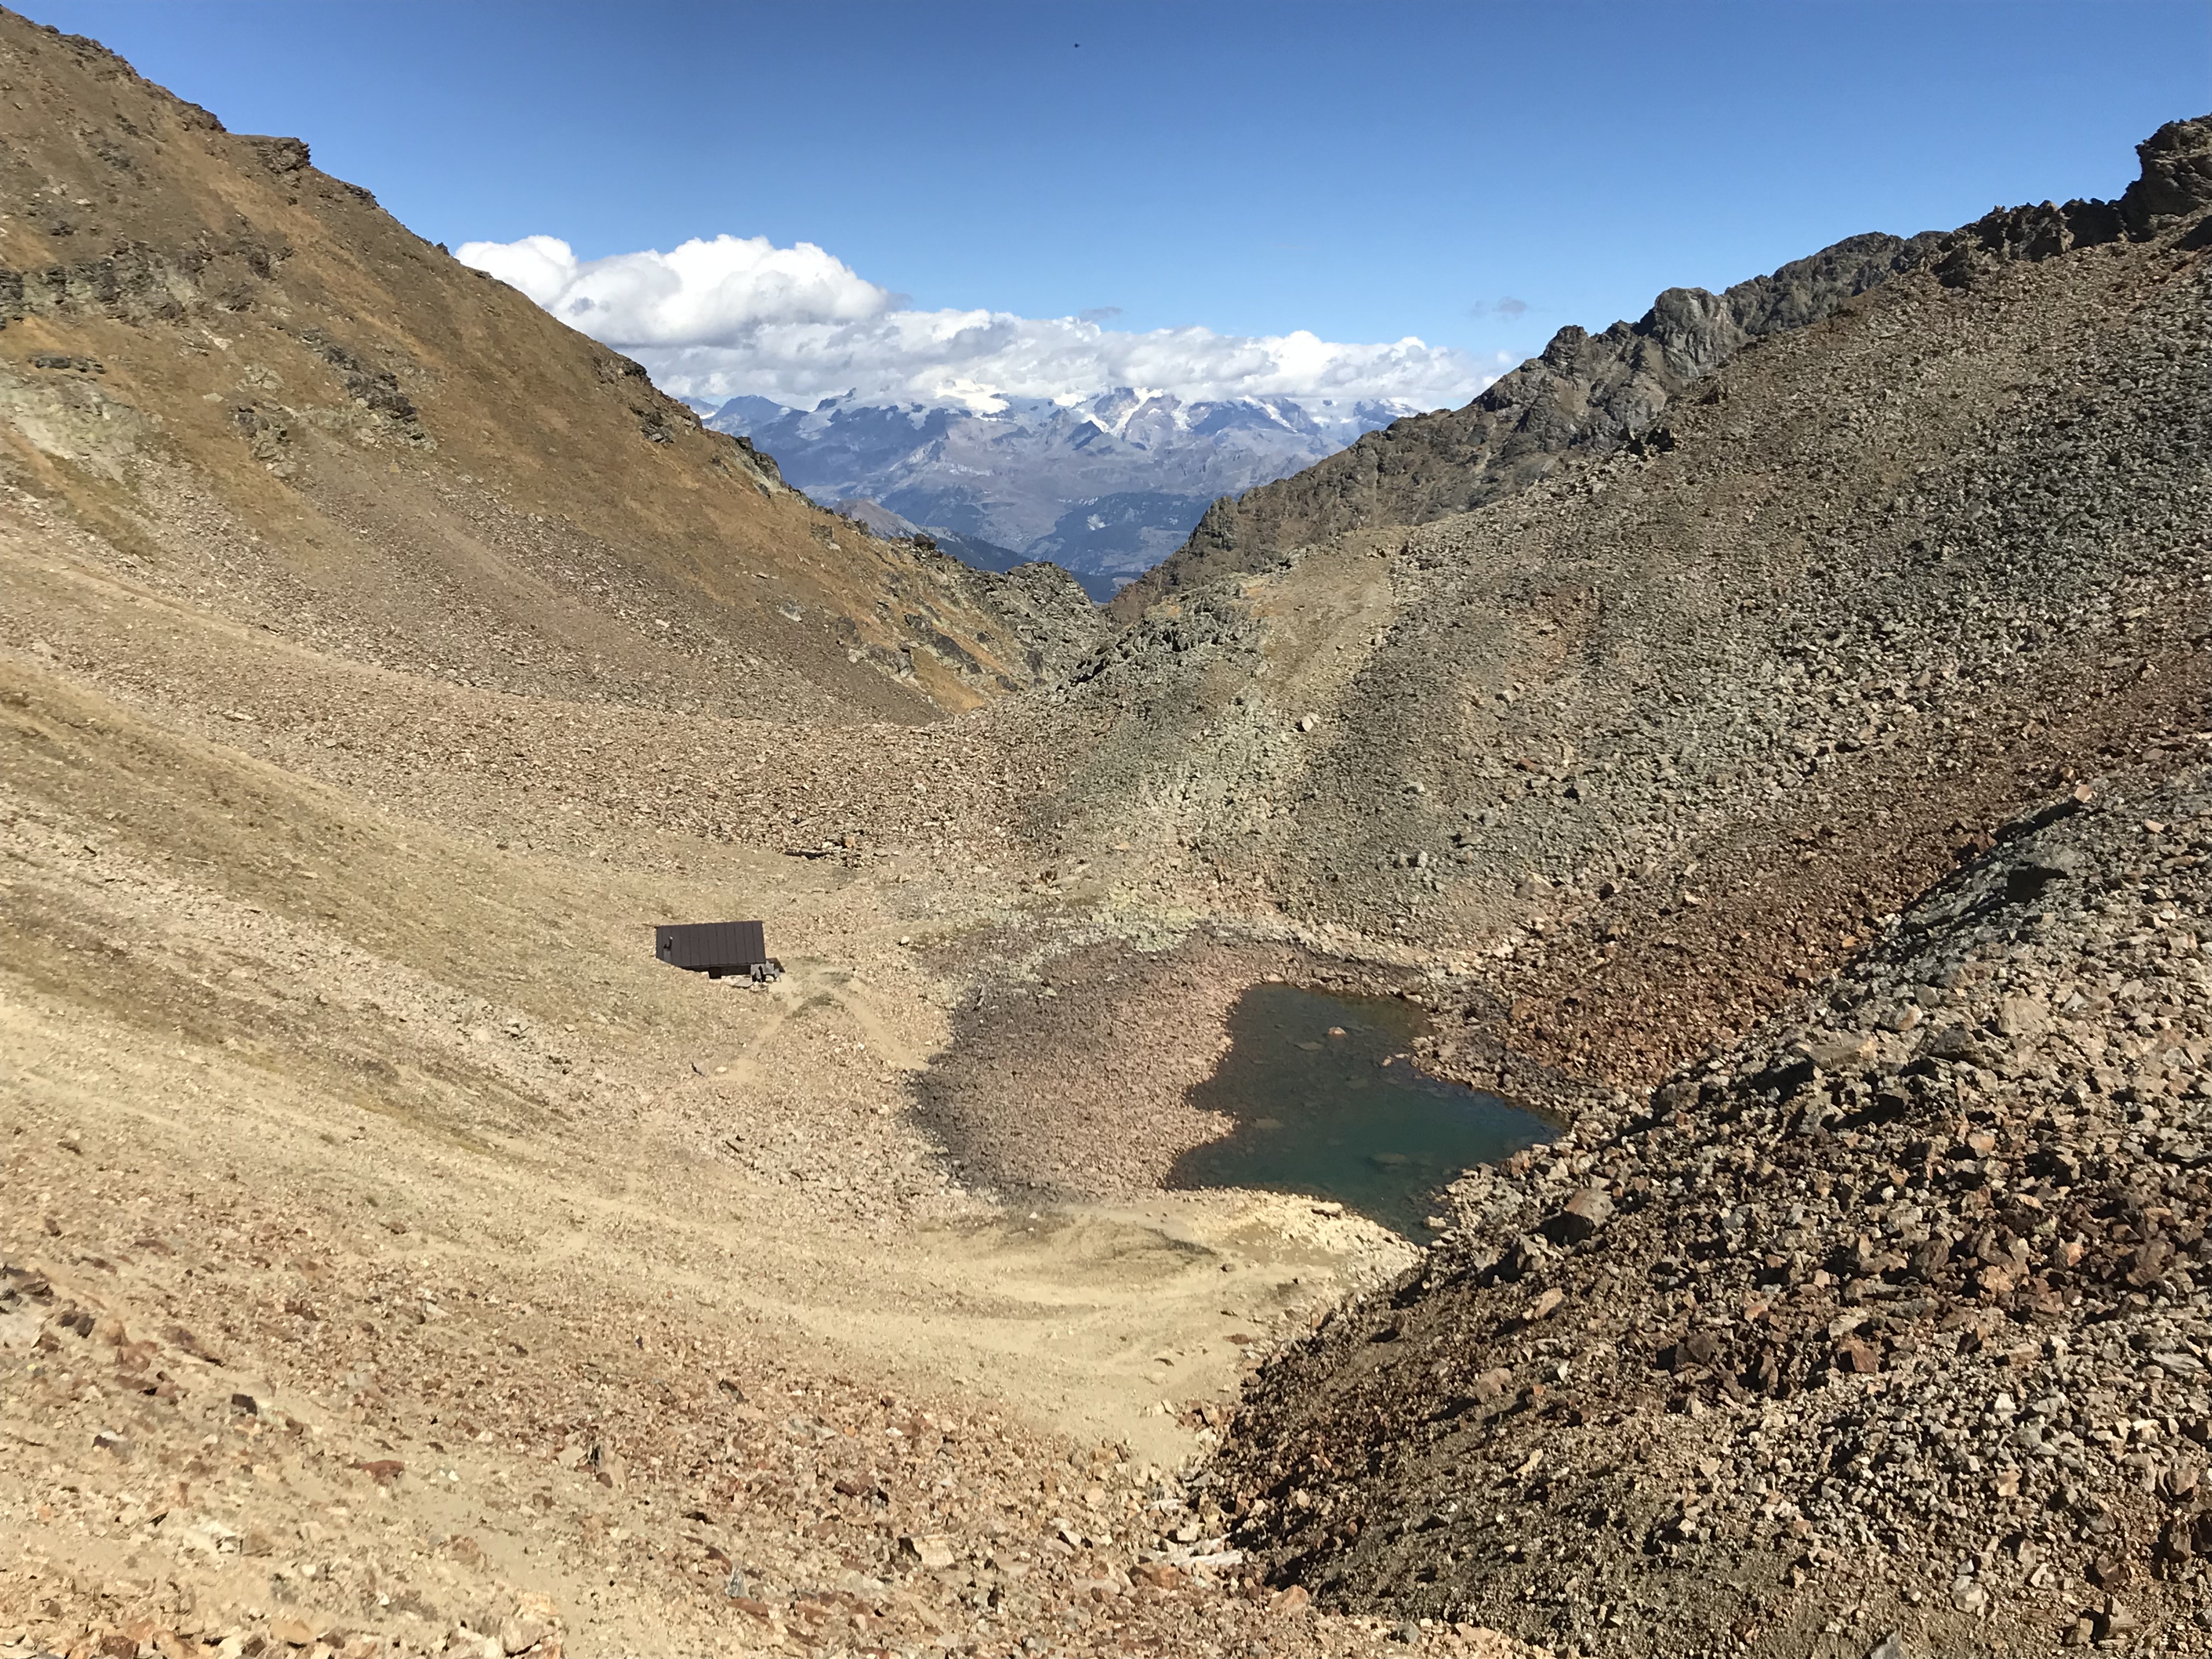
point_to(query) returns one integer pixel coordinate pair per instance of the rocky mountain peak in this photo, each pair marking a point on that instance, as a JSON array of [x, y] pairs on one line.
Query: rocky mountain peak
[[2176, 176]]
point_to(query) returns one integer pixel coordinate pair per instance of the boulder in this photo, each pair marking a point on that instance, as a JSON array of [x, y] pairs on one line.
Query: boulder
[[1585, 1212]]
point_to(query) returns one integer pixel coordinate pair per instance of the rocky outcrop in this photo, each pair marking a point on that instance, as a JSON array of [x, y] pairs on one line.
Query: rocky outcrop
[[1051, 618], [1590, 394], [2176, 183]]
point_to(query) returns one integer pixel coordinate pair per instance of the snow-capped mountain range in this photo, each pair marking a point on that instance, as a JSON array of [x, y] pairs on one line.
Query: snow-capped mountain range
[[1107, 486]]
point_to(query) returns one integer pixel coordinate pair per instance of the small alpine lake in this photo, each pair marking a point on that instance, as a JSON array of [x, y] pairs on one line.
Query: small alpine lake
[[1326, 1103]]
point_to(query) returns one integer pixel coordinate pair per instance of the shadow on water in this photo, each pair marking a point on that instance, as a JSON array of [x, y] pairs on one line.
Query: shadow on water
[[1319, 1112]]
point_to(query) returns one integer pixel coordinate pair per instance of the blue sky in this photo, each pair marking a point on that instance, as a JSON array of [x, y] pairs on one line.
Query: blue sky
[[1364, 171]]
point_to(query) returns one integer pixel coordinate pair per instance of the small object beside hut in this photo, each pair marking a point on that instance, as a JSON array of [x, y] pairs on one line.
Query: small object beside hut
[[716, 949]]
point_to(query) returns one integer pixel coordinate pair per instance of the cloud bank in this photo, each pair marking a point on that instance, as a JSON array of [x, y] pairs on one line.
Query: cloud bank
[[738, 315]]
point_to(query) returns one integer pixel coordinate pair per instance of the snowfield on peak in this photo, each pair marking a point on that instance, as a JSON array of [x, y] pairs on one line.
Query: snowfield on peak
[[1106, 485]]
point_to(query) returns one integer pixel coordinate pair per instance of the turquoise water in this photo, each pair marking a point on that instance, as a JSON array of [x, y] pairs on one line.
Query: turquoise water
[[1319, 1112]]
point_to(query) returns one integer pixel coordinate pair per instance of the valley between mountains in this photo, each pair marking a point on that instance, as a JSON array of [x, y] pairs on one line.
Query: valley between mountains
[[1767, 739]]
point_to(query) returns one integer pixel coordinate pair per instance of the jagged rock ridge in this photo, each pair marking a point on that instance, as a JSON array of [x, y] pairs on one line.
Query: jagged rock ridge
[[1589, 393]]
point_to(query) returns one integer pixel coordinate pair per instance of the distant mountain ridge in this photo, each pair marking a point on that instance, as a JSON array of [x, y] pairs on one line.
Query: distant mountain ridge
[[882, 521], [1106, 487]]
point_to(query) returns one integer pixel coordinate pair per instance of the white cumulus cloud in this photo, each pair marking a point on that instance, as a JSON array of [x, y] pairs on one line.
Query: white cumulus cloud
[[738, 315]]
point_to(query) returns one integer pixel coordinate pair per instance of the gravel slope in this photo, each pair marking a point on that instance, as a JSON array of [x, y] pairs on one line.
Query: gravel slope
[[1641, 746], [1892, 1309], [357, 717]]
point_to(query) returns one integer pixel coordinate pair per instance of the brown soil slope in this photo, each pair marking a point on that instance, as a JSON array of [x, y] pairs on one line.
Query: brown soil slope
[[261, 387]]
